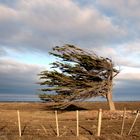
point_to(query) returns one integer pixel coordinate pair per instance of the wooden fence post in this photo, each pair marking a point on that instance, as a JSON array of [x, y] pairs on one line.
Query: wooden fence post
[[57, 127], [19, 124], [44, 129], [133, 123], [77, 118], [99, 122], [122, 128]]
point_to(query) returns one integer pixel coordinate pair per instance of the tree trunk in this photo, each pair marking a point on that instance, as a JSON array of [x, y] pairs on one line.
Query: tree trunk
[[109, 94], [110, 101]]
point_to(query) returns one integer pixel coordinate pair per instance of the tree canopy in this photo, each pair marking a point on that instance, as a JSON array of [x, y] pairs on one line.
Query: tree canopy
[[77, 74]]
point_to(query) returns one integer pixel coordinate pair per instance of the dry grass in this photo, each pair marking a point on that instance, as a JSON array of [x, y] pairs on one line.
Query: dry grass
[[38, 122]]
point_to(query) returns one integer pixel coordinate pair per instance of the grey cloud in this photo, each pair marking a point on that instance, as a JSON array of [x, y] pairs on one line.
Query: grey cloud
[[133, 48], [10, 26], [2, 51], [122, 55], [41, 24], [18, 77], [124, 13], [123, 8], [9, 3], [127, 90]]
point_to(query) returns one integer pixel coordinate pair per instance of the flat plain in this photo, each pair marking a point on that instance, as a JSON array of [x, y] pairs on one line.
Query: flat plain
[[38, 121]]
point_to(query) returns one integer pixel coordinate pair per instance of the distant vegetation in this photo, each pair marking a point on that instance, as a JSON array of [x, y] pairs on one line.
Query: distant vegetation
[[78, 75]]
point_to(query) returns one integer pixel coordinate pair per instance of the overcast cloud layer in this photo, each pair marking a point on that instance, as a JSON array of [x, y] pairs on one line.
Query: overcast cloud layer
[[30, 28]]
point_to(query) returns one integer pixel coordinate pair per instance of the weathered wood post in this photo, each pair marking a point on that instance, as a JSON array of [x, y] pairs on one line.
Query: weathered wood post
[[43, 127], [19, 124], [77, 118], [122, 128], [57, 127], [133, 123], [99, 122]]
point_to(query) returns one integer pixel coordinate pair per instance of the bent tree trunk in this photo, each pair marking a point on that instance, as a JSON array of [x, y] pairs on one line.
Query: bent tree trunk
[[109, 94], [110, 101]]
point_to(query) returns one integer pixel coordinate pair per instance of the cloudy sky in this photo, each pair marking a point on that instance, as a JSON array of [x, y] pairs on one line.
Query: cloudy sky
[[30, 28]]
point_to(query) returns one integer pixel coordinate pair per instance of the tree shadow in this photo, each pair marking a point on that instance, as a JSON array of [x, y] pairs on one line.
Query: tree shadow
[[23, 130], [66, 107]]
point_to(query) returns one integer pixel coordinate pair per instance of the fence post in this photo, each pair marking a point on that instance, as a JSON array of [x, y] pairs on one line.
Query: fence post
[[133, 122], [122, 128], [19, 124], [57, 127], [99, 122], [77, 118], [44, 129]]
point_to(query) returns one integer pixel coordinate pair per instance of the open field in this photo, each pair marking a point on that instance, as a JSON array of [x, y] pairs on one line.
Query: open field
[[38, 121]]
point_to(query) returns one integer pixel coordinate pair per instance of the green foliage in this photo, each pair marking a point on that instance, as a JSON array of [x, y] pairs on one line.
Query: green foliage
[[77, 75]]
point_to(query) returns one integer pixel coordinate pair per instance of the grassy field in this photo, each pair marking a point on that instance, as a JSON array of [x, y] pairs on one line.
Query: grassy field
[[38, 121]]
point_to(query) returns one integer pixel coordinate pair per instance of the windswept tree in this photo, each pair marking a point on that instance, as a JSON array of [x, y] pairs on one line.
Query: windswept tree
[[78, 75]]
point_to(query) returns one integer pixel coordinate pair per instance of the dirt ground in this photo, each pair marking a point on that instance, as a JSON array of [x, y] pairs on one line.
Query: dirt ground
[[38, 121]]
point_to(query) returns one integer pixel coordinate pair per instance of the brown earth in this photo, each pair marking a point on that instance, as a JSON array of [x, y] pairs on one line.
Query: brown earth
[[38, 121]]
